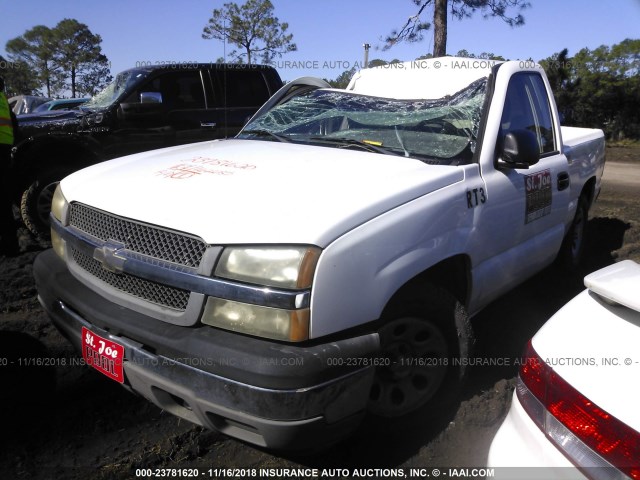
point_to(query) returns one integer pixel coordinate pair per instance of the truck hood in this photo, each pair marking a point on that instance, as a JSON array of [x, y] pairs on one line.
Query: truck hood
[[259, 192], [49, 121]]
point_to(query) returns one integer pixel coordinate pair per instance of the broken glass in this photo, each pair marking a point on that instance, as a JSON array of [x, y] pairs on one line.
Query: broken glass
[[114, 90], [441, 131]]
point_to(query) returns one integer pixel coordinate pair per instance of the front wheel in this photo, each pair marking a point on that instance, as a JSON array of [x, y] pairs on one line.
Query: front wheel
[[421, 352], [35, 205]]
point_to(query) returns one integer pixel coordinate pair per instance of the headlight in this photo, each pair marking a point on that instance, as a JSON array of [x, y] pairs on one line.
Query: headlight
[[291, 267], [58, 244], [286, 267], [267, 322], [58, 204]]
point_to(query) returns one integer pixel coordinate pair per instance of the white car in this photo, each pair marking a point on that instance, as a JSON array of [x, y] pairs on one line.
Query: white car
[[577, 396]]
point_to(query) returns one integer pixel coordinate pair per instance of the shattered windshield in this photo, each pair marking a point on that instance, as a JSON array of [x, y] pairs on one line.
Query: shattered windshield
[[441, 131], [113, 91]]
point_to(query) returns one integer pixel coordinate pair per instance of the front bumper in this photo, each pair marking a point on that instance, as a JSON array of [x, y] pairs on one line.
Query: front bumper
[[267, 393]]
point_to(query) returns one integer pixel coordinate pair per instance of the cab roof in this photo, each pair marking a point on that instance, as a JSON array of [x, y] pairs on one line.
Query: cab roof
[[427, 79]]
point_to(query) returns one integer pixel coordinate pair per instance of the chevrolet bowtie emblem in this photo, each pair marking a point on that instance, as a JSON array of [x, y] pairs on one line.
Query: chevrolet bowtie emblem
[[108, 256]]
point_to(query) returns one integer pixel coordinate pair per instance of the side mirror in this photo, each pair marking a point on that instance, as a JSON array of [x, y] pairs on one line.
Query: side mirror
[[150, 97], [518, 149]]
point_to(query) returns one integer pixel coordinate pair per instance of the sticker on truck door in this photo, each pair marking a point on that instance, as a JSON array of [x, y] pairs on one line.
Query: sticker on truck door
[[539, 195]]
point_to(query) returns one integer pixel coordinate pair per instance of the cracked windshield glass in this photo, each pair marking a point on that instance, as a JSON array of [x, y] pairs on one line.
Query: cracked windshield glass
[[113, 91], [441, 131]]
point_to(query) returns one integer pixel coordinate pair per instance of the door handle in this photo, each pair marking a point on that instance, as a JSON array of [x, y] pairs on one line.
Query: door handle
[[208, 124], [563, 181]]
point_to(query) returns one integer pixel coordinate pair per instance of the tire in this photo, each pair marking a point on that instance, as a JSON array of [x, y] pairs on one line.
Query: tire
[[35, 205], [421, 350], [573, 245]]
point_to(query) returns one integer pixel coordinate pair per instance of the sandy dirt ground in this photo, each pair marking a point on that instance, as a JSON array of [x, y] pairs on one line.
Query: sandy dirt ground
[[61, 420]]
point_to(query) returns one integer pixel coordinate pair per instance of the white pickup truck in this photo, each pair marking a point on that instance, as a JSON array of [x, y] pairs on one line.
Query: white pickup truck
[[324, 263]]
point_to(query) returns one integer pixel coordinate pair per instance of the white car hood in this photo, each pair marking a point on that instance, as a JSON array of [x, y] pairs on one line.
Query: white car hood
[[250, 191]]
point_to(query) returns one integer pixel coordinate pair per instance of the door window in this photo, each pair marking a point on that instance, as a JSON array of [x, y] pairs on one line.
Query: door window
[[179, 90], [527, 108], [241, 88]]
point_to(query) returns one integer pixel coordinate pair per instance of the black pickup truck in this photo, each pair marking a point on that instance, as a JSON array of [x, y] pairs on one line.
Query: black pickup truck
[[142, 109]]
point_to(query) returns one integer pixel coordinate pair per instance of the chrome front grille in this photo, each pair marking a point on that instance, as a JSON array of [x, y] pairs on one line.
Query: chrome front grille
[[138, 237], [138, 287], [150, 241]]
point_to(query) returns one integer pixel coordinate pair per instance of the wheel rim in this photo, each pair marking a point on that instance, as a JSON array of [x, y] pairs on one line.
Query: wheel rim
[[43, 204], [416, 361]]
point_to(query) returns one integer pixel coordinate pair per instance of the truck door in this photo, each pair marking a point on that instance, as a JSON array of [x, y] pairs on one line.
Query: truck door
[[186, 106], [239, 93], [522, 222], [168, 109]]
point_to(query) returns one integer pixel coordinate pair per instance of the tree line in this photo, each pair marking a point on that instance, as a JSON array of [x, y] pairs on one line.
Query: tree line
[[67, 57], [595, 88], [599, 88]]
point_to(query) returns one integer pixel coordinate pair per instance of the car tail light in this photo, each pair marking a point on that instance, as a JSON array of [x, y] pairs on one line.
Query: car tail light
[[588, 435]]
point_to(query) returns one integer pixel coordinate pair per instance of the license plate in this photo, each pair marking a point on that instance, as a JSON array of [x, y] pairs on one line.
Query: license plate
[[104, 355]]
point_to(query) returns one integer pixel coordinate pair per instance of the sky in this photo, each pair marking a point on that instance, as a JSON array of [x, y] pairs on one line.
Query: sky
[[329, 34]]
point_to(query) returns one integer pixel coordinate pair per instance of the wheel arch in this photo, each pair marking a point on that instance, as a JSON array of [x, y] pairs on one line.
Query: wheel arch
[[589, 191], [31, 156], [452, 274], [424, 333], [38, 166]]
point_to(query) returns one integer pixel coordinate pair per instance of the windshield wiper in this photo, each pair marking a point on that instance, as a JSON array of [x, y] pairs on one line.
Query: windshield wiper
[[267, 133], [358, 143]]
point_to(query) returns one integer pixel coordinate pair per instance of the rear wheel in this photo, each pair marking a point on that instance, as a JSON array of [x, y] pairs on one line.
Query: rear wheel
[[420, 350]]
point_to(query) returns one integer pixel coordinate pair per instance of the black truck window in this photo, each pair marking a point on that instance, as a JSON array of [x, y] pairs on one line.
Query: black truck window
[[241, 88], [181, 90], [527, 107]]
